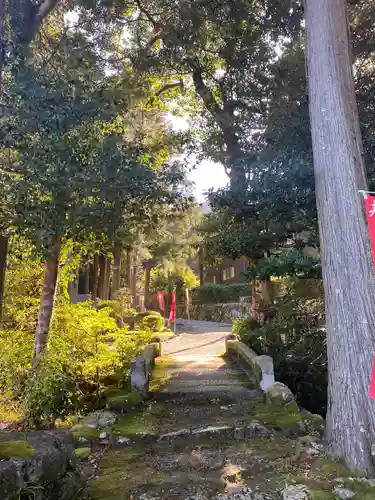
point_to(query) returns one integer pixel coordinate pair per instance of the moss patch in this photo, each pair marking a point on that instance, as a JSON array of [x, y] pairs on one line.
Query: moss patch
[[123, 400], [82, 453], [282, 417], [85, 432], [161, 374], [16, 450], [135, 426]]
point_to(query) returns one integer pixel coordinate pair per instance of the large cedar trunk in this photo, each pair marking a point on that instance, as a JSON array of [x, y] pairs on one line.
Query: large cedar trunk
[[2, 40], [348, 274], [116, 276], [51, 266], [147, 285], [95, 278], [86, 284], [3, 263], [107, 279], [101, 281]]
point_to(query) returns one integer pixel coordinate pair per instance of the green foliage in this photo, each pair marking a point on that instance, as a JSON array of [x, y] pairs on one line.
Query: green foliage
[[149, 321], [86, 349], [16, 348], [295, 338], [220, 294], [23, 283], [167, 277], [287, 263]]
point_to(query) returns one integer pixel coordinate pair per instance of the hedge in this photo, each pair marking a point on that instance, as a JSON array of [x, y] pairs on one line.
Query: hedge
[[220, 294]]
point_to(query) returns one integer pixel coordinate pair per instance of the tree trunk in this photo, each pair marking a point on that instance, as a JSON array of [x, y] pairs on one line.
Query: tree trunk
[[147, 285], [51, 266], [266, 288], [348, 273], [116, 276], [3, 262], [101, 282], [108, 267], [86, 283], [2, 41], [95, 278], [128, 268]]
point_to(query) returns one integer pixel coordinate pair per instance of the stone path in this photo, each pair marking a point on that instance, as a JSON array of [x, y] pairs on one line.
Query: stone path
[[193, 362], [208, 434]]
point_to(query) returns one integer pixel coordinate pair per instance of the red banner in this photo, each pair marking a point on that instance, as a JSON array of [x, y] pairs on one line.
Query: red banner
[[172, 314], [370, 212], [160, 297]]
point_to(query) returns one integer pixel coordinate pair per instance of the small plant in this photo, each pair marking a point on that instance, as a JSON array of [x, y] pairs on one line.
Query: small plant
[[149, 320]]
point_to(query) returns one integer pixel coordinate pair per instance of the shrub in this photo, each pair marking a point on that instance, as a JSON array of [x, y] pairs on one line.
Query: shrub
[[149, 320], [16, 350], [86, 351], [220, 294], [296, 340]]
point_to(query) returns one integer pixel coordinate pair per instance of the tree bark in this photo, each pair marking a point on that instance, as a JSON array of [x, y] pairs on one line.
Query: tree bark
[[348, 273], [3, 262], [116, 276], [128, 268], [51, 266], [266, 288], [147, 285], [2, 41], [101, 282], [108, 268], [95, 278], [86, 284]]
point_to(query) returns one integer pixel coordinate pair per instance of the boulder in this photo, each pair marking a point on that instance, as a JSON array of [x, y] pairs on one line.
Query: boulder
[[44, 459], [343, 493], [97, 420], [296, 492], [279, 394]]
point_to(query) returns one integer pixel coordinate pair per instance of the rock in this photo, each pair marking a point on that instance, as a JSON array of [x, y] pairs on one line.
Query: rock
[[296, 492], [213, 430], [311, 446], [10, 481], [314, 423], [123, 440], [97, 420], [45, 459], [171, 435], [252, 430], [102, 435], [343, 493], [279, 394]]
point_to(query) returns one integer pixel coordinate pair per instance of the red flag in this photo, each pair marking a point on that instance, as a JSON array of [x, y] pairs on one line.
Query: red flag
[[370, 212], [172, 314], [160, 297]]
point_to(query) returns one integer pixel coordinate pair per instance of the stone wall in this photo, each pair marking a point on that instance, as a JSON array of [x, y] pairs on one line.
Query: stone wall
[[221, 313]]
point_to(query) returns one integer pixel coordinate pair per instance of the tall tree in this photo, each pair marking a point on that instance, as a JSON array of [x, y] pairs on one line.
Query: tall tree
[[346, 259]]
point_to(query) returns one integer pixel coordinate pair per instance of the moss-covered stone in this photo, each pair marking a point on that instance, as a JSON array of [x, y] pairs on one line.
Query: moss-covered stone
[[123, 400], [135, 426], [314, 424], [85, 433], [285, 417], [82, 453], [16, 450]]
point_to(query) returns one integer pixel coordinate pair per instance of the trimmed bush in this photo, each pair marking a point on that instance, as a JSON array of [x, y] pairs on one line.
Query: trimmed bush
[[149, 320], [220, 294]]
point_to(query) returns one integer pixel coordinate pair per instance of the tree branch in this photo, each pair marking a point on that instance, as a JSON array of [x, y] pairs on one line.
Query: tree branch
[[168, 86], [45, 8], [206, 95]]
